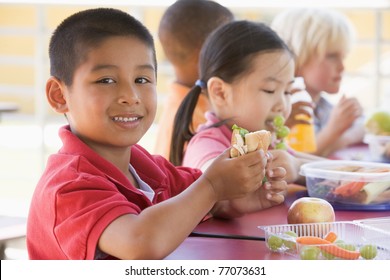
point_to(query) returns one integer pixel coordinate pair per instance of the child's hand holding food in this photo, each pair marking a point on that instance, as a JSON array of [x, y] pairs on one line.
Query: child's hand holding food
[[245, 143], [233, 178]]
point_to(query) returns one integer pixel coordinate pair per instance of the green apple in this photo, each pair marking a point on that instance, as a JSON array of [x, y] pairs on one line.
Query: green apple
[[378, 123]]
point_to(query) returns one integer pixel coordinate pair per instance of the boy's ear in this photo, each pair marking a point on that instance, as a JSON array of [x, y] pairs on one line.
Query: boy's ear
[[218, 91], [55, 95]]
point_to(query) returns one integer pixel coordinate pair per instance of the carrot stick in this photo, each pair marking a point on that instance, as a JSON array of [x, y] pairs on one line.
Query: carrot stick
[[377, 170], [349, 189], [331, 236], [330, 248]]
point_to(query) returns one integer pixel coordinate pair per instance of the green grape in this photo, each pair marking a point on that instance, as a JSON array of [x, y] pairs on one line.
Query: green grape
[[309, 253], [274, 242], [279, 121], [288, 243], [281, 146], [282, 132], [291, 233], [348, 247], [327, 255], [368, 252]]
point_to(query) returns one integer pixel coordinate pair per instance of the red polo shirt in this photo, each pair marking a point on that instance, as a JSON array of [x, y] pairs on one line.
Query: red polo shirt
[[80, 194]]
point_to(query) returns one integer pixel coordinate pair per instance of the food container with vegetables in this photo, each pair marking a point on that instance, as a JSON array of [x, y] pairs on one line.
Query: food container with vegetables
[[348, 182], [328, 241]]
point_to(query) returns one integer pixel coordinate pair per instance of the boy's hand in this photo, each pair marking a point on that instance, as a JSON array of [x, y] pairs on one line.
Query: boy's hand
[[344, 114], [270, 194], [233, 178], [298, 108]]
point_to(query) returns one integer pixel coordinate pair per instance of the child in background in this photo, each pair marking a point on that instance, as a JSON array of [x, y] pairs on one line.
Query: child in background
[[247, 72], [320, 40], [183, 29], [102, 196]]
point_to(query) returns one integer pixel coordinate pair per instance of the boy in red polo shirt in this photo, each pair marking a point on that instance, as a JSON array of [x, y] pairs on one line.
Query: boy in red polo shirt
[[102, 196]]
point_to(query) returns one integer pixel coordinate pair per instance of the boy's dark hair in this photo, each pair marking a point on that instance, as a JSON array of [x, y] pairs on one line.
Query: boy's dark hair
[[228, 54], [186, 24], [79, 33]]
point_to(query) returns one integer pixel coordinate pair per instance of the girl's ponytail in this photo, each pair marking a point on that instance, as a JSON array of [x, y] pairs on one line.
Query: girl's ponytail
[[182, 128]]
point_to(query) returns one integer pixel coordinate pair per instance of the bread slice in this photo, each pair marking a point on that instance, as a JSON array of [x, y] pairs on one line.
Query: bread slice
[[257, 140], [252, 141]]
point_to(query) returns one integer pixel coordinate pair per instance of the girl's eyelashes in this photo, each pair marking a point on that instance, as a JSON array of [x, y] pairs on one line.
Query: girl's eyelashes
[[269, 91], [273, 91]]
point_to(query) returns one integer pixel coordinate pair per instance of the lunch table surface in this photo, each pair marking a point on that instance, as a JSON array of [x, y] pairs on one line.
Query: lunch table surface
[[240, 238]]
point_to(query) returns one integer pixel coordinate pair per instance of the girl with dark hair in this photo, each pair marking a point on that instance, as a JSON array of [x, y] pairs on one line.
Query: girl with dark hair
[[247, 72]]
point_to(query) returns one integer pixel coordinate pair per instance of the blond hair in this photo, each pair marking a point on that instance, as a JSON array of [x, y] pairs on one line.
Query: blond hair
[[313, 32]]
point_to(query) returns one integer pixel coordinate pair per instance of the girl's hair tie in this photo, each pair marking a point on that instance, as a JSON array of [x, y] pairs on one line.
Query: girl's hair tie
[[200, 84]]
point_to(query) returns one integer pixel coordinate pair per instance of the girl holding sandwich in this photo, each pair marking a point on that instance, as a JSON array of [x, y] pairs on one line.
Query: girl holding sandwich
[[247, 73]]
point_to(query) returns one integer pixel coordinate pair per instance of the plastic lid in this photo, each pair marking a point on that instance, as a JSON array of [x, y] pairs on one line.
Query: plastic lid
[[333, 170], [368, 138]]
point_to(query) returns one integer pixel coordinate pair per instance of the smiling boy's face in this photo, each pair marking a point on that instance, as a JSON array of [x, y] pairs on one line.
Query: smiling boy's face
[[112, 100]]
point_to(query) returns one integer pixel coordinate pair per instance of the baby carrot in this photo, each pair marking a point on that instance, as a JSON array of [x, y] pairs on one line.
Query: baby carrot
[[331, 236], [330, 248], [349, 189]]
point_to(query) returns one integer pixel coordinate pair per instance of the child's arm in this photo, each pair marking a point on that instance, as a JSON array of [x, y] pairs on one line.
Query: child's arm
[[161, 228], [342, 118]]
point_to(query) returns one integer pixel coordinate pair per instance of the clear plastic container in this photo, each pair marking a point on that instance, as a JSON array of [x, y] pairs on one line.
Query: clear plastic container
[[302, 136], [379, 146], [352, 182], [349, 235], [381, 224]]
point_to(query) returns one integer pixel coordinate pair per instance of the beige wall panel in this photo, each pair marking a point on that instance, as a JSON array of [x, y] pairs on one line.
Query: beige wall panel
[[152, 19], [364, 23], [386, 25], [17, 16], [359, 57], [16, 75], [56, 14], [17, 45], [24, 102]]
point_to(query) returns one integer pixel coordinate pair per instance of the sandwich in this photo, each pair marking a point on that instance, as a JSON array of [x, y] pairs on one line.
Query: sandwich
[[244, 142]]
